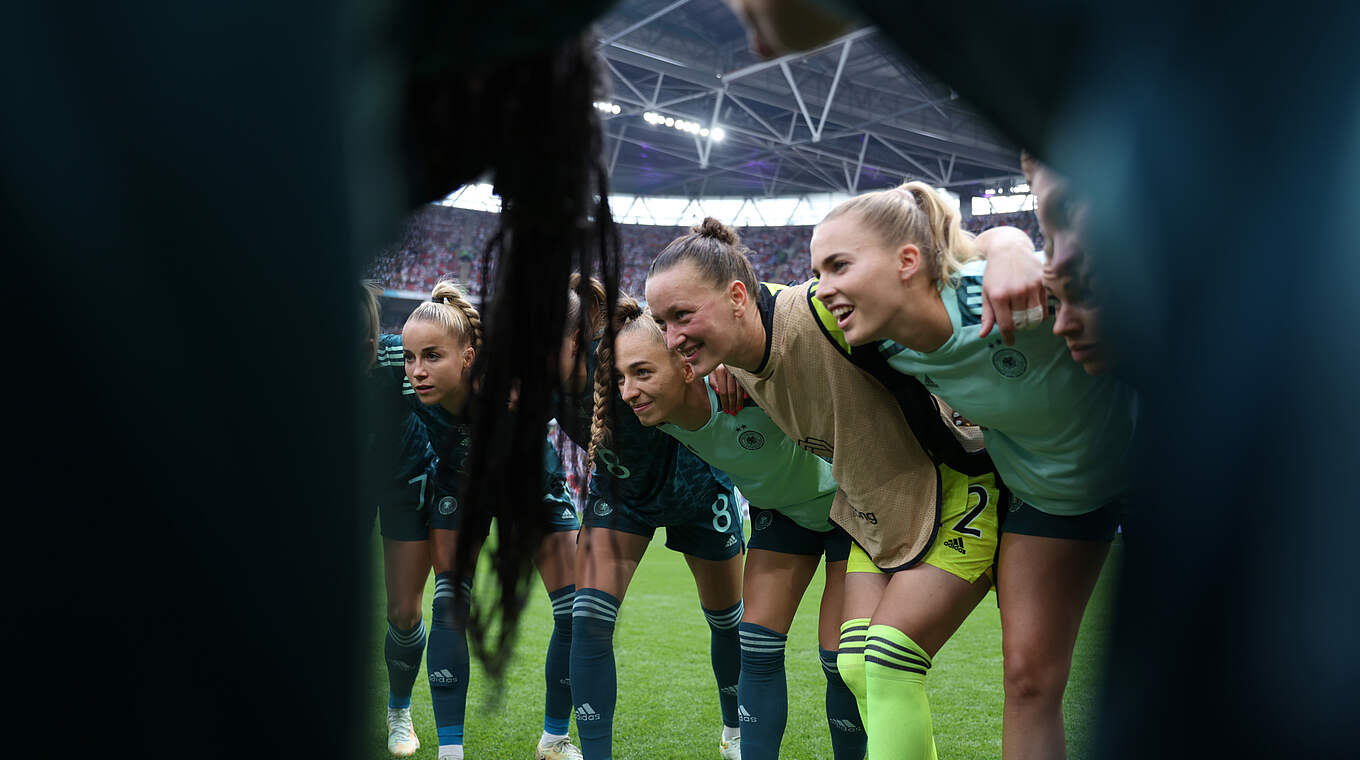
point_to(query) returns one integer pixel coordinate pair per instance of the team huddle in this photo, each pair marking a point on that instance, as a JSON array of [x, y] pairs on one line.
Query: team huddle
[[888, 418]]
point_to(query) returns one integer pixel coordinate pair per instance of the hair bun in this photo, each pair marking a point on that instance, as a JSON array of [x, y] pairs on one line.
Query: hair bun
[[446, 289], [712, 228]]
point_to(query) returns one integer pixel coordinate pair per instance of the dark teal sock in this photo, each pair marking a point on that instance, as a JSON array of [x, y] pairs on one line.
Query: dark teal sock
[[848, 741], [725, 652], [763, 694], [402, 650], [447, 658], [557, 665], [594, 681]]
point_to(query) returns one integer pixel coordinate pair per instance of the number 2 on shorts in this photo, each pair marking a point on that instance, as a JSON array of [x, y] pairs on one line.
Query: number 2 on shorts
[[962, 525]]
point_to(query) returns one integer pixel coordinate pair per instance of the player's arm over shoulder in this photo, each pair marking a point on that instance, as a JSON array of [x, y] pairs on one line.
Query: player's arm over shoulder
[[1001, 242]]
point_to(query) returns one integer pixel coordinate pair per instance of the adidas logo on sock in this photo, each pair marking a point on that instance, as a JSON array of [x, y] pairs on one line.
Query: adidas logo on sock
[[399, 665], [956, 544], [586, 712], [730, 541], [842, 724], [729, 690], [744, 716], [443, 678]]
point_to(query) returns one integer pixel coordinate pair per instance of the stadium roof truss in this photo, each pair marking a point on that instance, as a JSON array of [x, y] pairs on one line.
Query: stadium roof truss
[[845, 118]]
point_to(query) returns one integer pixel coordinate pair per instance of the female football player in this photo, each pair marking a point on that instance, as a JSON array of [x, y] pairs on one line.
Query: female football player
[[438, 345], [642, 480], [790, 491], [896, 272]]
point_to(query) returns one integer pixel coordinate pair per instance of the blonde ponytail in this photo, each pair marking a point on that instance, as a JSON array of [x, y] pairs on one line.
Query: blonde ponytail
[[913, 213], [953, 246]]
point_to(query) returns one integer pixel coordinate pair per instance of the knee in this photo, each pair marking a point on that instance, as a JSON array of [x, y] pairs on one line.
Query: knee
[[403, 617], [1030, 676]]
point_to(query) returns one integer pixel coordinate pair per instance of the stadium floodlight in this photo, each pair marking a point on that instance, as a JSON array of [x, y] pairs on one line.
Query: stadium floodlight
[[607, 107], [1020, 189], [684, 125]]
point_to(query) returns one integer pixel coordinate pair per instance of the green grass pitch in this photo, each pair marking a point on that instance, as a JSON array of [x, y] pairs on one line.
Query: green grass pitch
[[668, 704]]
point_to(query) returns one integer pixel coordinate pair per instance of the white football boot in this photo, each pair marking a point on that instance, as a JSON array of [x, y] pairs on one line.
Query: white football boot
[[562, 749], [401, 733]]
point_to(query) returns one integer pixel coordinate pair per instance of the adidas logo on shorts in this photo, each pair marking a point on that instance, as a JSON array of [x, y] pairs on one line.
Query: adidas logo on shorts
[[567, 514], [956, 544], [731, 540]]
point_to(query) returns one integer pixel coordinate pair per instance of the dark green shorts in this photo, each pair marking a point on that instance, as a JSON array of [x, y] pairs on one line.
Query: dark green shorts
[[713, 532], [402, 515], [1097, 525], [773, 532], [447, 514]]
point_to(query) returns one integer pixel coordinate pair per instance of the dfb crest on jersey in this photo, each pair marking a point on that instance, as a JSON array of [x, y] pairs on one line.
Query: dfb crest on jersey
[[1009, 362], [764, 519], [448, 505], [751, 440], [602, 508]]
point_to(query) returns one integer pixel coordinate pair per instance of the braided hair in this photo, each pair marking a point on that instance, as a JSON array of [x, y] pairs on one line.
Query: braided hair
[[449, 308], [626, 311], [471, 116]]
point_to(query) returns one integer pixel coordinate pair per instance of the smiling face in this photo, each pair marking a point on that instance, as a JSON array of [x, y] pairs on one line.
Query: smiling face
[[696, 318], [862, 278], [650, 377], [436, 364]]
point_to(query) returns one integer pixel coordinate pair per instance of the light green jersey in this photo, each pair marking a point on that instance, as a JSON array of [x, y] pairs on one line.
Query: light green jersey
[[771, 470], [1059, 437]]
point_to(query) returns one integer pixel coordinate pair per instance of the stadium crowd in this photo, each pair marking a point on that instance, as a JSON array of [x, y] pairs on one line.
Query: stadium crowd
[[442, 240]]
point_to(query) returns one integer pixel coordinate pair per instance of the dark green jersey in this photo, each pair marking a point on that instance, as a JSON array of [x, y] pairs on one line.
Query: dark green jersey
[[642, 469], [444, 434], [397, 449]]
